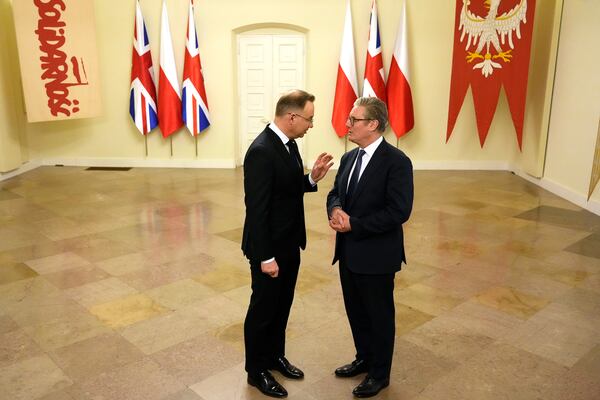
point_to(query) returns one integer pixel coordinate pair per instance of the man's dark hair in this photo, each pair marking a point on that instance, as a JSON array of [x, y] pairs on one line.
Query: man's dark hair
[[294, 100]]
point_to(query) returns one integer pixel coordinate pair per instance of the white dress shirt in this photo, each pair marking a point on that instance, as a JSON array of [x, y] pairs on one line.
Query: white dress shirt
[[369, 151]]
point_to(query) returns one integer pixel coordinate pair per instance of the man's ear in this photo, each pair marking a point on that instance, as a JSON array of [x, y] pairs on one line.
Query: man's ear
[[374, 124]]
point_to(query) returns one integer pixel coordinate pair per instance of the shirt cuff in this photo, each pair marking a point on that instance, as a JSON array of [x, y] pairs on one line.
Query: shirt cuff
[[268, 261], [310, 179]]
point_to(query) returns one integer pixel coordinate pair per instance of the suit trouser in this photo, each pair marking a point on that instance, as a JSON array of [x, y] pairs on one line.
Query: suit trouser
[[369, 301], [268, 312]]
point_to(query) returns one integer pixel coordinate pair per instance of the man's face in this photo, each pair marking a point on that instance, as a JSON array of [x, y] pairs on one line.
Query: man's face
[[302, 121], [360, 130]]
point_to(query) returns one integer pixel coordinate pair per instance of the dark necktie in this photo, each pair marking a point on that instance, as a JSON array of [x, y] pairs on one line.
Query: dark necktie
[[355, 175], [294, 152]]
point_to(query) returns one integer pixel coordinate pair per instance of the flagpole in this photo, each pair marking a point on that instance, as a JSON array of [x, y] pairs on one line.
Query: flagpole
[[346, 144], [146, 143], [397, 142], [171, 138], [196, 139]]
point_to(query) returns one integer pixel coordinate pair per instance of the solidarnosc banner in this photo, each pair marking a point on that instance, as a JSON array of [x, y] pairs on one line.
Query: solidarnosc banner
[[59, 62]]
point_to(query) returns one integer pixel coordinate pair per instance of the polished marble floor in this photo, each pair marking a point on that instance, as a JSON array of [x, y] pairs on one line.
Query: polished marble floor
[[122, 285]]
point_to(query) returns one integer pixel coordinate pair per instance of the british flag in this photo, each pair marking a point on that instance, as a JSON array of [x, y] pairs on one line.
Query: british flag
[[142, 99], [374, 84], [194, 102]]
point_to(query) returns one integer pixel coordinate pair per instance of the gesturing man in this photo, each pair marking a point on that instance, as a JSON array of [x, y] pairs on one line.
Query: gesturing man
[[274, 233]]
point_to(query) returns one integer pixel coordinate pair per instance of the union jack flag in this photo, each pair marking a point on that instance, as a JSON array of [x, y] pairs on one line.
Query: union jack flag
[[374, 84], [142, 99], [194, 102]]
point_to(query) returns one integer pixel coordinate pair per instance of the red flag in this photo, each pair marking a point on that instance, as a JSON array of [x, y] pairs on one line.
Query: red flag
[[374, 84], [399, 96], [346, 87], [169, 98], [492, 44]]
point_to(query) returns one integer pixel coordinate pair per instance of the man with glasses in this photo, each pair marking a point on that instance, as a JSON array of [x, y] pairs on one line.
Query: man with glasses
[[371, 198], [274, 233]]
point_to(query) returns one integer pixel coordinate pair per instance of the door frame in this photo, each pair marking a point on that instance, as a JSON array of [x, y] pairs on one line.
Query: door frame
[[253, 30]]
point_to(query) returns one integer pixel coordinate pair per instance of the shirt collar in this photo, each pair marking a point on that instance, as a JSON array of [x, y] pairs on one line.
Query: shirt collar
[[279, 133], [370, 149]]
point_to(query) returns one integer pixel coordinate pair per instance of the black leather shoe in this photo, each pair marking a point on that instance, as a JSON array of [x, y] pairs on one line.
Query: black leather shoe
[[370, 387], [288, 370], [268, 386], [353, 369]]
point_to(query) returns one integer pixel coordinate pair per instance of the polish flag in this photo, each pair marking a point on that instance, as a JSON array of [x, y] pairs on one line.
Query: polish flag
[[399, 96], [346, 87], [374, 84], [169, 98], [194, 102]]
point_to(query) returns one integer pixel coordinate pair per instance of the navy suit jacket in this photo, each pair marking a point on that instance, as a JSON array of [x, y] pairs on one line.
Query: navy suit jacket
[[381, 203], [274, 186]]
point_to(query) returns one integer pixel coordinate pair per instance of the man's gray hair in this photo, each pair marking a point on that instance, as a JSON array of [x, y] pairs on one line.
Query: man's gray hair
[[375, 109]]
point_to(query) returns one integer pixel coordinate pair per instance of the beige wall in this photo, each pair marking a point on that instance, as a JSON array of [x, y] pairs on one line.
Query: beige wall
[[576, 104], [112, 138], [539, 92], [13, 151], [430, 26]]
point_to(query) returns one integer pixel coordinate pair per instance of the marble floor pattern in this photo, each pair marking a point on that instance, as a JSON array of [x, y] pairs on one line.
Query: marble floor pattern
[[130, 285]]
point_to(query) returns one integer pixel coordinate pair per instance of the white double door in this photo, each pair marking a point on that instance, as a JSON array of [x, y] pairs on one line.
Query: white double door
[[268, 65]]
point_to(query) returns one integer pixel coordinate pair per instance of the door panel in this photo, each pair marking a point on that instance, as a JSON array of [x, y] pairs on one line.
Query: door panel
[[269, 65]]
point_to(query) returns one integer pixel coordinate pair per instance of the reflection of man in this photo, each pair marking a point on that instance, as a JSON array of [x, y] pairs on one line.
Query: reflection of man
[[371, 198], [274, 233]]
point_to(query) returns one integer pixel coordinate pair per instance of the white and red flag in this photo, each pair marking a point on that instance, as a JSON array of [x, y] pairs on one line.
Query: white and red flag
[[492, 47], [193, 97], [169, 100], [399, 94], [374, 84], [142, 98], [346, 87]]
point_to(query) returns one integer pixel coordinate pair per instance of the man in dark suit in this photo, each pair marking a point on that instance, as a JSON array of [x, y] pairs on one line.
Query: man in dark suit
[[371, 198], [274, 233]]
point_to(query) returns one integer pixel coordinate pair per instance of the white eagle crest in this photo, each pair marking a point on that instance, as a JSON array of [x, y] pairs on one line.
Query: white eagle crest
[[491, 30]]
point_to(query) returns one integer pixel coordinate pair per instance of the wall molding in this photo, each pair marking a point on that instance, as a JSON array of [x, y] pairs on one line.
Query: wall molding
[[463, 165], [140, 163], [25, 167], [562, 191]]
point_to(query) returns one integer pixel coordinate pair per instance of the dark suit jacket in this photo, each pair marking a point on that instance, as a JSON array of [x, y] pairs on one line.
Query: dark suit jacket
[[381, 203], [274, 186]]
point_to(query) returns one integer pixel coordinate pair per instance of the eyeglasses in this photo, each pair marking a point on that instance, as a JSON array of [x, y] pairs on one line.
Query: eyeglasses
[[352, 120], [309, 120]]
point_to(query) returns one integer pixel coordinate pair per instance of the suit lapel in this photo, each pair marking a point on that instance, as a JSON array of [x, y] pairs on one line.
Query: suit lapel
[[370, 170], [281, 149]]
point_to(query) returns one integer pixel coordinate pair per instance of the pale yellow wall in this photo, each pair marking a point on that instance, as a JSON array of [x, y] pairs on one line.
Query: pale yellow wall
[[539, 92], [576, 103], [13, 152], [430, 27]]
